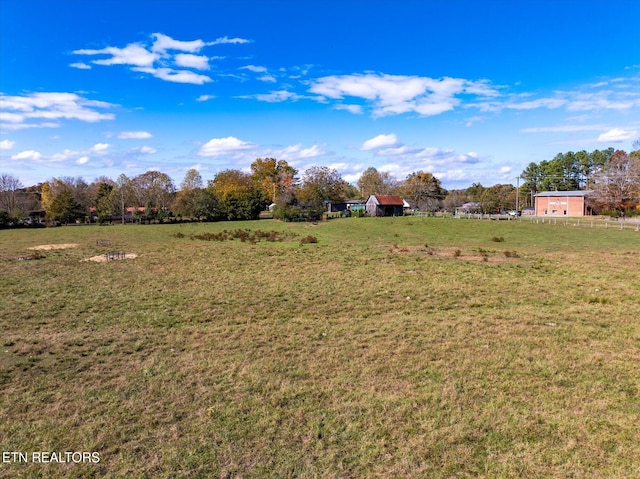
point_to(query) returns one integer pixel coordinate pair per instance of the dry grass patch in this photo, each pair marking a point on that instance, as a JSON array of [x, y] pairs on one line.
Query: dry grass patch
[[102, 258], [48, 247]]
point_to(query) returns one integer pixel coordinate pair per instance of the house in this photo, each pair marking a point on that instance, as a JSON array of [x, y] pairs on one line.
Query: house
[[563, 203], [384, 205], [470, 207]]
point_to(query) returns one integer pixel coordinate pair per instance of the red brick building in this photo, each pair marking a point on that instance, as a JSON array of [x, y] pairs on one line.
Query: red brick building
[[563, 203]]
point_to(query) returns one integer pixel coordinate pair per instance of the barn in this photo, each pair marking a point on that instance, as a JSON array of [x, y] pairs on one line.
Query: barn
[[563, 203], [385, 205]]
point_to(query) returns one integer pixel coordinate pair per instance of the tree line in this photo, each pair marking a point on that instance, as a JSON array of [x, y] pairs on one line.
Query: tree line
[[613, 176]]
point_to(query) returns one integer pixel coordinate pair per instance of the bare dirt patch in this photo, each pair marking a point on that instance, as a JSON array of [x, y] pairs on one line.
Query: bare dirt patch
[[101, 258], [47, 247]]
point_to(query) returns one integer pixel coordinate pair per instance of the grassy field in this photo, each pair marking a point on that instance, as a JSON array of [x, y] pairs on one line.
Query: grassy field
[[396, 347]]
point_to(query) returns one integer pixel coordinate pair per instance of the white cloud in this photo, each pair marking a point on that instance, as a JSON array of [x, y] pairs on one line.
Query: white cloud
[[562, 129], [617, 135], [65, 155], [398, 94], [205, 97], [27, 155], [296, 152], [254, 68], [147, 150], [226, 40], [176, 76], [268, 79], [380, 141], [100, 148], [187, 60], [6, 144], [355, 109], [133, 54], [47, 106], [134, 135], [163, 43], [82, 160], [224, 146], [80, 66], [505, 169], [165, 58], [550, 103], [275, 96]]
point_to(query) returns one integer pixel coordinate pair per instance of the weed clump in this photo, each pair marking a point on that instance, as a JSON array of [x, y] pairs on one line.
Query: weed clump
[[308, 239], [497, 239], [32, 256], [511, 254], [244, 235]]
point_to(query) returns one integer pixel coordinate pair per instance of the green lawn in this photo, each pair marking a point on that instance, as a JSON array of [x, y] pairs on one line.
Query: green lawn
[[395, 347]]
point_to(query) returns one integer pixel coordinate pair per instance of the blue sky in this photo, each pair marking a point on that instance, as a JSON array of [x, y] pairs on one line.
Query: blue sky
[[471, 91]]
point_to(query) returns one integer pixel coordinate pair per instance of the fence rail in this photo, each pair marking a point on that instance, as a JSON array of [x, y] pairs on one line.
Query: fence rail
[[586, 222]]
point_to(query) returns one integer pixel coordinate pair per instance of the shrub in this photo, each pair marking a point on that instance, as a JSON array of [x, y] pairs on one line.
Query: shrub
[[497, 239], [308, 239]]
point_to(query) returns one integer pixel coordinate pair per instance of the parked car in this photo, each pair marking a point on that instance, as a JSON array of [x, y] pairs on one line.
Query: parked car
[[514, 213]]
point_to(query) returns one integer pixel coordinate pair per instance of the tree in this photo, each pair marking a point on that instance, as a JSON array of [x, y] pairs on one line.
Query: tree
[[276, 179], [455, 199], [498, 198], [617, 185], [74, 201], [153, 189], [193, 200], [423, 191], [566, 171], [124, 194], [105, 201], [320, 184], [9, 188], [64, 208], [373, 182], [192, 180], [236, 195]]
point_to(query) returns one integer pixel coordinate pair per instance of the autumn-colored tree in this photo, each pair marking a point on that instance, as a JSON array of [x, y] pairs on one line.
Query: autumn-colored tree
[[423, 191], [236, 195], [498, 198], [74, 202], [617, 185], [276, 179], [374, 182], [321, 183]]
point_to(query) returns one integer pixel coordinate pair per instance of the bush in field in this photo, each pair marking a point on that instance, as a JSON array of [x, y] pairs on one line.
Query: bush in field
[[308, 239], [287, 212], [244, 235]]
